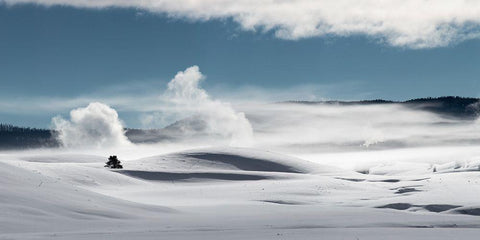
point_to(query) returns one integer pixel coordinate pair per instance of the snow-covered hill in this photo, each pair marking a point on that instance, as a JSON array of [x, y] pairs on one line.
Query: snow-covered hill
[[235, 193]]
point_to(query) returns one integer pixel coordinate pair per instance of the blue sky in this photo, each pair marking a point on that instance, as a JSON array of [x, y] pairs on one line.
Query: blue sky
[[61, 54]]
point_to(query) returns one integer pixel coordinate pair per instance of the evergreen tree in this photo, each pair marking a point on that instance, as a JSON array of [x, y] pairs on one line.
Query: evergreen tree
[[113, 162]]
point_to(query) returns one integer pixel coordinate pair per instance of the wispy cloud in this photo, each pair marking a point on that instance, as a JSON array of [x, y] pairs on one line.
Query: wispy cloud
[[401, 23]]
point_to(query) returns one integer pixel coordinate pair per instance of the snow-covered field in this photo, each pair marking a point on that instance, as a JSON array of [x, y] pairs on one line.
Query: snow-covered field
[[354, 173]]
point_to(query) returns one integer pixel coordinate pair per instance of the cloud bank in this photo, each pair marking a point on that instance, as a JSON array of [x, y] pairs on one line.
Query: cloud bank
[[96, 125], [401, 23]]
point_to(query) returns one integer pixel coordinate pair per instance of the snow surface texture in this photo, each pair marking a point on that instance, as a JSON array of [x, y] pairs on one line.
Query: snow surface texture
[[312, 172], [233, 193]]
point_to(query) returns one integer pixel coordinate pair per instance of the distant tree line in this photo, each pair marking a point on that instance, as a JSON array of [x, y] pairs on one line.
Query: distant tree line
[[454, 106], [449, 106], [13, 137]]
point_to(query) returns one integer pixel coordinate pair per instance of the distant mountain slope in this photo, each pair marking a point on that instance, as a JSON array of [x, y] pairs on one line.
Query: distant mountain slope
[[451, 106], [12, 137], [190, 127]]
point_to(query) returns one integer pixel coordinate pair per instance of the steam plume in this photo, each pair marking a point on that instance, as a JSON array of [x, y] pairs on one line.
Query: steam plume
[[95, 125], [217, 119]]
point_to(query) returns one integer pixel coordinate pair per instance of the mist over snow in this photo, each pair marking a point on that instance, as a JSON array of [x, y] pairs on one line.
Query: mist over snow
[[197, 113], [330, 169], [330, 127], [188, 108], [188, 116], [96, 125]]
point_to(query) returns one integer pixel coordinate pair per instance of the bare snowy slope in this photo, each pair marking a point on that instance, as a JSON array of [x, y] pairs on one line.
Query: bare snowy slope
[[235, 193]]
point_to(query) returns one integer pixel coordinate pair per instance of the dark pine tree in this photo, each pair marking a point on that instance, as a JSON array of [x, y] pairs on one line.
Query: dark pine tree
[[113, 162]]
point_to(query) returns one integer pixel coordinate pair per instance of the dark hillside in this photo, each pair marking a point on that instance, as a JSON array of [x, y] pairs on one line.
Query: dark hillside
[[12, 137], [450, 106]]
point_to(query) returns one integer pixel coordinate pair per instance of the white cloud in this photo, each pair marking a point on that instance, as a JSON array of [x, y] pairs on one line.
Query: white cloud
[[403, 23], [96, 125]]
